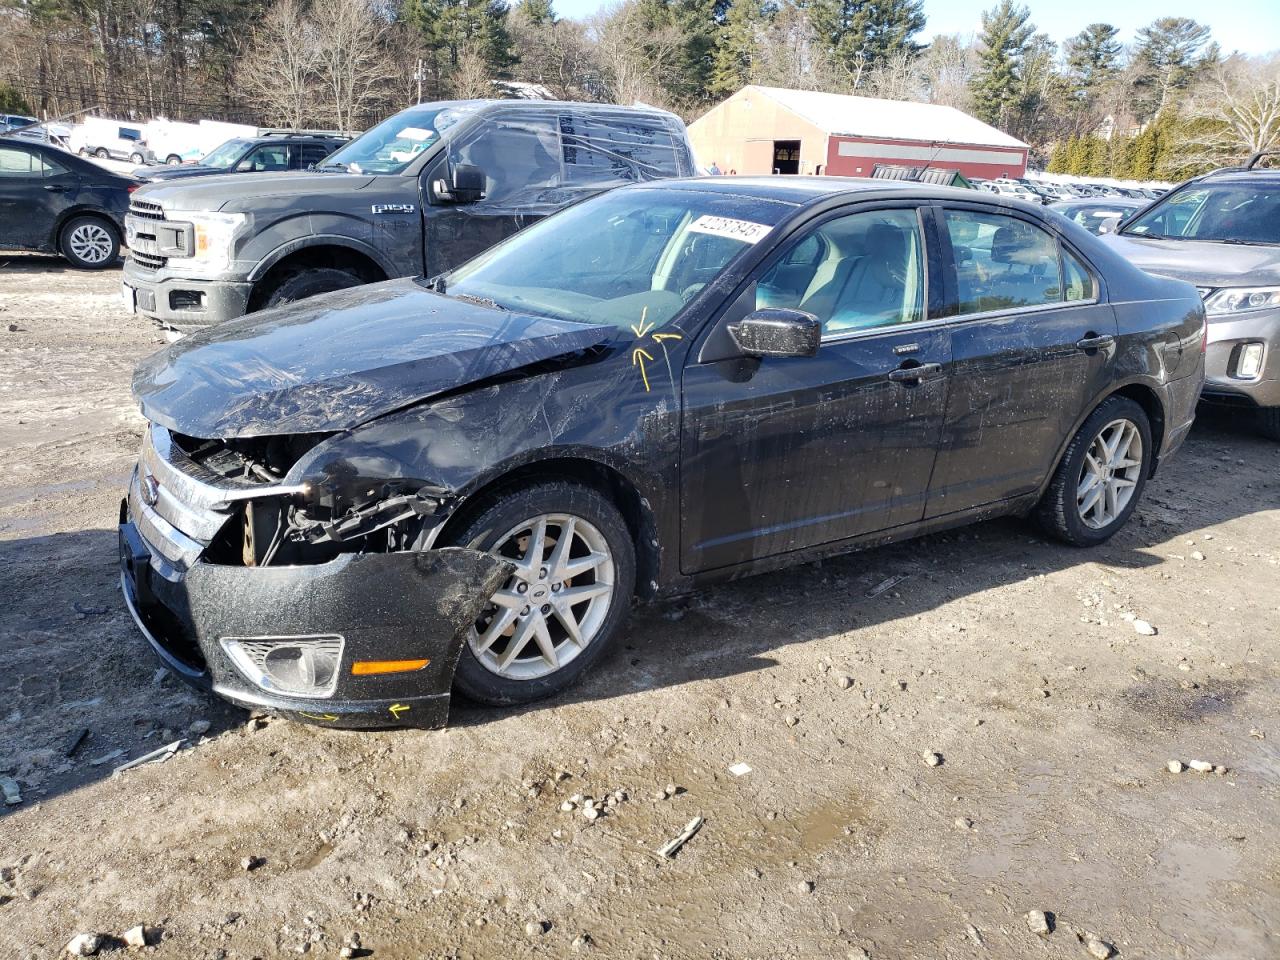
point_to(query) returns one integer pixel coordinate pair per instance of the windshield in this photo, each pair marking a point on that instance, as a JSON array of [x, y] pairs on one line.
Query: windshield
[[630, 258], [1222, 212], [220, 158], [394, 143]]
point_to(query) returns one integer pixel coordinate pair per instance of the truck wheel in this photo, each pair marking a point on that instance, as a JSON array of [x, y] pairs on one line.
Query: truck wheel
[[1269, 422], [308, 283], [569, 596], [1101, 477], [89, 243], [101, 153]]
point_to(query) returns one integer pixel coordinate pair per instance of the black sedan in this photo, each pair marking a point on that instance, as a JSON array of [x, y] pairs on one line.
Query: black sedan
[[53, 201], [349, 506]]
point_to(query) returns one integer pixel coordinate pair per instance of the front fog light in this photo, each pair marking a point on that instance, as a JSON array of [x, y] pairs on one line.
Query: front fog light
[[298, 666], [1249, 362]]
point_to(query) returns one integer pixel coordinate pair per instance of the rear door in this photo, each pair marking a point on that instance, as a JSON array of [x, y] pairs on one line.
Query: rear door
[[32, 194], [1032, 345], [780, 454]]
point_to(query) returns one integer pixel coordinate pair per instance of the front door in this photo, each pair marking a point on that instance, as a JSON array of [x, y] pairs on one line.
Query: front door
[[520, 157], [780, 454], [1031, 347]]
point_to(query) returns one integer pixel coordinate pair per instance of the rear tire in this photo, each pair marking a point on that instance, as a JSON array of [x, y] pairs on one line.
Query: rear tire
[[137, 158], [101, 153], [1269, 422], [173, 160], [1093, 492], [599, 554], [89, 243], [309, 283]]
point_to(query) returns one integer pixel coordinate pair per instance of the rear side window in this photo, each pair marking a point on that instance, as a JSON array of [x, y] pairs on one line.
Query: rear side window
[[21, 163], [1002, 262], [601, 149], [314, 153], [1077, 280]]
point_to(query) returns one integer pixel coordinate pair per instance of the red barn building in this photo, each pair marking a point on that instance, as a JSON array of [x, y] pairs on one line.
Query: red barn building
[[771, 130]]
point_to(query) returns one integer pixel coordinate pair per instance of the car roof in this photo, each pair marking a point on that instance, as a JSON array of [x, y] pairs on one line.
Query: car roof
[[801, 190], [1269, 175]]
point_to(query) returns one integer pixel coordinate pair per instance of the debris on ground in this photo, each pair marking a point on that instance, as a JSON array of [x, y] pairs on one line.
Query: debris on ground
[[672, 846], [1038, 922], [12, 792], [740, 769], [1174, 766], [1144, 628], [106, 758], [135, 936], [1097, 947], [885, 585], [158, 755], [932, 758], [84, 944], [198, 728], [251, 863], [75, 741]]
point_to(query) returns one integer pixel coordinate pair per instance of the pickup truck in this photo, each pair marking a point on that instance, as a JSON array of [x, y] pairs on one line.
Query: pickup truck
[[418, 194]]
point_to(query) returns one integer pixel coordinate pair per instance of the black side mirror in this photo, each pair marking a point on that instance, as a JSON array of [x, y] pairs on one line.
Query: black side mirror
[[776, 332], [465, 184]]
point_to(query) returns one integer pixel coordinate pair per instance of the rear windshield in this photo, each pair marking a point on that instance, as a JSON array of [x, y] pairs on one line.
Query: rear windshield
[[1221, 212], [631, 258]]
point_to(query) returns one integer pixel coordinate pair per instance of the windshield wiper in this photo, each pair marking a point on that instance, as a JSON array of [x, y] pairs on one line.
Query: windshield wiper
[[481, 301]]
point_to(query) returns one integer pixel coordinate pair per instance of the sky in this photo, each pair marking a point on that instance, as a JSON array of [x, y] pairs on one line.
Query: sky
[[1249, 26]]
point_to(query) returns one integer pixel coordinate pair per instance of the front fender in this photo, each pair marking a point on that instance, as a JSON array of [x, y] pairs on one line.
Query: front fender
[[323, 240]]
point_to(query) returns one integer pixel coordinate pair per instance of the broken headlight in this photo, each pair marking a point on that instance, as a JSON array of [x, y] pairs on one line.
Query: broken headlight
[[297, 666]]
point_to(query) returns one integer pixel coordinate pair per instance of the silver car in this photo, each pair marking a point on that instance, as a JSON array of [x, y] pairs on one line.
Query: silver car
[[1221, 232]]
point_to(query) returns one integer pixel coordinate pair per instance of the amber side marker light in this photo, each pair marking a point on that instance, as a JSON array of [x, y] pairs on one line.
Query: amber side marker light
[[367, 668]]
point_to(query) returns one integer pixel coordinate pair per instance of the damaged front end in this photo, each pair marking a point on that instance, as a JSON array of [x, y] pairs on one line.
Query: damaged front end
[[318, 601]]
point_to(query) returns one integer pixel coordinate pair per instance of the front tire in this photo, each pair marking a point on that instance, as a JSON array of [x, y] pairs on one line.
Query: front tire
[[1101, 477], [1269, 422], [89, 243], [101, 153], [137, 158], [564, 605], [173, 160], [309, 283]]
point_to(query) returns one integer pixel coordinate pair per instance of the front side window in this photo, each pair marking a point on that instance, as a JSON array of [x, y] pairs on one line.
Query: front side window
[[520, 157], [857, 272], [224, 156], [397, 141], [1002, 262], [630, 258], [272, 156], [1221, 212]]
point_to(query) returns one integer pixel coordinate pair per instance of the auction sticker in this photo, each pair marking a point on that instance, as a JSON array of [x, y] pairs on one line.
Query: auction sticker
[[743, 230]]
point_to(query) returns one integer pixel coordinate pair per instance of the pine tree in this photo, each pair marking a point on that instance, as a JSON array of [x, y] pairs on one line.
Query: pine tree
[[448, 27], [736, 47], [1142, 161], [1078, 156], [996, 86], [1093, 58], [862, 34], [1057, 159]]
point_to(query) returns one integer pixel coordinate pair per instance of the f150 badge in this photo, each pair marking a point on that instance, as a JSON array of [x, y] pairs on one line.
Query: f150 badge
[[393, 208]]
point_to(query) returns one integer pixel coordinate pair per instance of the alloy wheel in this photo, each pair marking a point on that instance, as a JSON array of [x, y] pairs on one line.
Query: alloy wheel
[[90, 242], [1109, 477], [555, 602]]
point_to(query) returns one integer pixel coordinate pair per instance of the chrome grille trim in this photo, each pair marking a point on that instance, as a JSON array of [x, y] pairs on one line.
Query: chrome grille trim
[[146, 210]]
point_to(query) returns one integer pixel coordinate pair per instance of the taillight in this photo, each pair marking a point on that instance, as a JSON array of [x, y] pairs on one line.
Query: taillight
[[132, 187]]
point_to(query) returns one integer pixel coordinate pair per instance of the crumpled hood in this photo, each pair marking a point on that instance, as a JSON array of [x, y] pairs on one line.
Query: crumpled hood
[[339, 360], [1202, 263], [231, 189]]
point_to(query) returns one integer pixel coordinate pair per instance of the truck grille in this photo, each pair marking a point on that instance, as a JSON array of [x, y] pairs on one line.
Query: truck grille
[[146, 210], [147, 261]]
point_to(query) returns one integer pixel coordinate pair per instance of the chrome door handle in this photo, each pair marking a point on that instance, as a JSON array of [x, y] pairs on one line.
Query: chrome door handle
[[1093, 342], [916, 373]]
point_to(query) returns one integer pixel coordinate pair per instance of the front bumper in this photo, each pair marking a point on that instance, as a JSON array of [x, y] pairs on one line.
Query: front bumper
[[1226, 337], [393, 606], [184, 303]]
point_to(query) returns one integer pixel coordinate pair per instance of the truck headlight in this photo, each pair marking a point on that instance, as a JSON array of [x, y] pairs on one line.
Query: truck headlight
[[1228, 301], [213, 235], [297, 666]]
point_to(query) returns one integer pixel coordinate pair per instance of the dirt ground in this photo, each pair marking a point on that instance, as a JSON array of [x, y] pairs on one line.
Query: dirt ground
[[1014, 659]]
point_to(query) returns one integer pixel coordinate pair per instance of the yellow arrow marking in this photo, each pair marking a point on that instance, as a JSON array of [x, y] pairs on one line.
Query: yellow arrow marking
[[640, 329], [659, 337], [397, 709], [318, 716], [636, 354]]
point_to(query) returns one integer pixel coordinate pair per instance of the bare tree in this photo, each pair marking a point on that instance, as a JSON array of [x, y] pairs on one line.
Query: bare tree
[[353, 62], [279, 74], [471, 77], [946, 69], [632, 55], [1235, 110], [789, 55]]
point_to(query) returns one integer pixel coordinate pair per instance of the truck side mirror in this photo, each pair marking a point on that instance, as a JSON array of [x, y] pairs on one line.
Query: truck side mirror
[[465, 184]]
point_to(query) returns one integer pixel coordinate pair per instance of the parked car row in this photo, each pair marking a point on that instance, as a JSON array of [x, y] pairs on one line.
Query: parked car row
[[1046, 192]]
